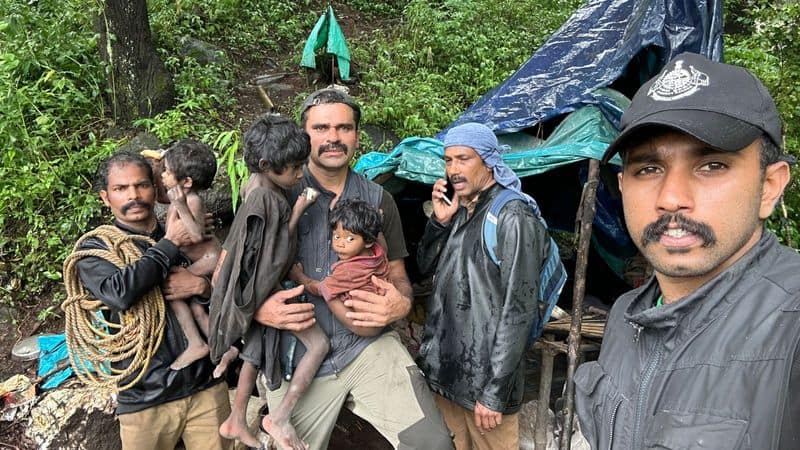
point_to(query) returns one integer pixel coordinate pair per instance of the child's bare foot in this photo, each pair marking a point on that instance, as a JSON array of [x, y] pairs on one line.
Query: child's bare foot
[[237, 429], [226, 359], [190, 355], [283, 434]]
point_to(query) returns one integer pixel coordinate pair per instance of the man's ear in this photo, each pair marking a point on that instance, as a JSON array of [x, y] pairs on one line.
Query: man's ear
[[776, 177], [187, 182], [262, 165], [619, 181], [104, 197]]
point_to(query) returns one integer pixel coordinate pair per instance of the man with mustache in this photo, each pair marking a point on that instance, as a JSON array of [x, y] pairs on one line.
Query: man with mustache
[[165, 405], [480, 313], [368, 369], [705, 354]]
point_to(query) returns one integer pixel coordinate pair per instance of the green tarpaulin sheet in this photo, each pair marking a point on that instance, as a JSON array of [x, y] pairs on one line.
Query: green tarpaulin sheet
[[584, 133], [327, 32]]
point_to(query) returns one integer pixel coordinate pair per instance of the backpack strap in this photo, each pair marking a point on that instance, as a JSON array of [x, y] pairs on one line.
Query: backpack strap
[[552, 275], [490, 222]]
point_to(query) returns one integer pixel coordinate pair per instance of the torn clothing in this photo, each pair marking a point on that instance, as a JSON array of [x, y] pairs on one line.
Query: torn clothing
[[260, 251]]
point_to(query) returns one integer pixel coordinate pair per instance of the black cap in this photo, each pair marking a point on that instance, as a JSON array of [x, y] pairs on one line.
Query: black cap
[[722, 105]]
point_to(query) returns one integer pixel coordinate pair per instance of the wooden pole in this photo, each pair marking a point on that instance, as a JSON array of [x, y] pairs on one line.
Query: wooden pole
[[543, 402], [586, 211]]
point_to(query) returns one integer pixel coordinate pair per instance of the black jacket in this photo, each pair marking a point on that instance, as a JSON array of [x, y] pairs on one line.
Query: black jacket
[[121, 288], [718, 369], [479, 315]]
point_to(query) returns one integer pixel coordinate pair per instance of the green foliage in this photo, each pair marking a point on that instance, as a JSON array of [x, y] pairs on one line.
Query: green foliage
[[387, 9], [228, 144], [52, 82], [770, 48], [248, 27], [446, 55], [428, 60]]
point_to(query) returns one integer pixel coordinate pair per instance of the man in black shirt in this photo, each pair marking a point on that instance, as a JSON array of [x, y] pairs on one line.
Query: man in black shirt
[[165, 405]]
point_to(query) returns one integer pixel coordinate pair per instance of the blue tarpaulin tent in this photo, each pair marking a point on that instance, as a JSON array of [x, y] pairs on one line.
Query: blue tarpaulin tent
[[605, 47]]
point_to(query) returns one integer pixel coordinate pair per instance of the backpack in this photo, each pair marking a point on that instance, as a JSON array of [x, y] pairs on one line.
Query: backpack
[[552, 275]]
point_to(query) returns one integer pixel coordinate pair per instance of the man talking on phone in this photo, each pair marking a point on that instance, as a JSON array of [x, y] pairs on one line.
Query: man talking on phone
[[480, 312]]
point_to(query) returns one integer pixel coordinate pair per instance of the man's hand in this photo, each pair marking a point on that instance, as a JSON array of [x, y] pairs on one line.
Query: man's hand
[[375, 310], [485, 419], [443, 208], [182, 284], [276, 313]]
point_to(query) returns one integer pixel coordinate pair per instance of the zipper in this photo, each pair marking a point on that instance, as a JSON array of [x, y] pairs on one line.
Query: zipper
[[641, 397], [613, 423]]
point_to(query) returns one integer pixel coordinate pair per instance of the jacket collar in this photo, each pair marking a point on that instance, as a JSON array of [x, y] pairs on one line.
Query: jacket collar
[[707, 302], [156, 234]]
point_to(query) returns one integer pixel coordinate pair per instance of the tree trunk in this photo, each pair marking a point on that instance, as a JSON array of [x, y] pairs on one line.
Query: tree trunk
[[139, 83]]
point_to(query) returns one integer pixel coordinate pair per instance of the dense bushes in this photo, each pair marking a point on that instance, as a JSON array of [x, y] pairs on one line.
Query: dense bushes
[[424, 63], [766, 40], [446, 54], [51, 84]]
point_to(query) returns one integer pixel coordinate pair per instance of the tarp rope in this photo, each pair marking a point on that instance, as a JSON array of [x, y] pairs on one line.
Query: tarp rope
[[93, 342]]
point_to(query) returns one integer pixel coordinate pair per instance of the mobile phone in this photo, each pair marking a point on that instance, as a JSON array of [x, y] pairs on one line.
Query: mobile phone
[[449, 193]]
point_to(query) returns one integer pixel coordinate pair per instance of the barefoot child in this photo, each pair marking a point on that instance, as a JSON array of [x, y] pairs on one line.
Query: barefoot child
[[189, 167], [256, 256], [356, 226]]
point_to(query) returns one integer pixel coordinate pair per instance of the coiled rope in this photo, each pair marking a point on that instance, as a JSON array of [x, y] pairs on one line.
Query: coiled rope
[[95, 344]]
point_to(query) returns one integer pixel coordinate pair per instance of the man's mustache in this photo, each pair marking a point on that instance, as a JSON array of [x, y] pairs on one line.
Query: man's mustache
[[456, 179], [653, 232], [124, 209], [338, 146]]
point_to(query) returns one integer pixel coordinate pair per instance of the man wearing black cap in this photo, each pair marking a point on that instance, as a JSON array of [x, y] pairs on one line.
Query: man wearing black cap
[[367, 369], [704, 355]]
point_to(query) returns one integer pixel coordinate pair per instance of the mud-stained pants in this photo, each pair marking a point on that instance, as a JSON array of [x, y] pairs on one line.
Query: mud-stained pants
[[383, 386]]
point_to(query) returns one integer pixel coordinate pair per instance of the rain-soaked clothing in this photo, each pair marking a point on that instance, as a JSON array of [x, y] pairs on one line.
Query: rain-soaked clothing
[[259, 253], [718, 369], [119, 289], [479, 315]]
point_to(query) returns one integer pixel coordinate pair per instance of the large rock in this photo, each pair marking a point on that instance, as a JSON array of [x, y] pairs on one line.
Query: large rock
[[142, 141], [381, 138], [76, 419], [203, 52]]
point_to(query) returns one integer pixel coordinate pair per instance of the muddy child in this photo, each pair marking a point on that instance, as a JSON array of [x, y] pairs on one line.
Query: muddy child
[[256, 256], [189, 167], [355, 227]]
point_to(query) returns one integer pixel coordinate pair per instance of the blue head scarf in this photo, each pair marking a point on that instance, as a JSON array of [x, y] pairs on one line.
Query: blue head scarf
[[481, 138]]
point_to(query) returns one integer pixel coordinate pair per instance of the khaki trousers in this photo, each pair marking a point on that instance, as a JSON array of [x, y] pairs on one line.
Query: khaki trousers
[[195, 418], [383, 386], [461, 422]]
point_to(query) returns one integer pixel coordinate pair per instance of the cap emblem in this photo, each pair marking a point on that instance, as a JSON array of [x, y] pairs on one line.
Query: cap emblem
[[677, 83]]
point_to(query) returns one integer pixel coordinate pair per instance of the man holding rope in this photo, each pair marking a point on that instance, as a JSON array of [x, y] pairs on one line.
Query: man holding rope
[[164, 405]]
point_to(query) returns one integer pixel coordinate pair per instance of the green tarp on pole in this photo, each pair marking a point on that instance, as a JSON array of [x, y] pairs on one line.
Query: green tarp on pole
[[327, 31]]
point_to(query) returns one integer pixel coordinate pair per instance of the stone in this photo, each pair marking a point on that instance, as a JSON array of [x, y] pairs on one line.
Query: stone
[[381, 138], [203, 52], [142, 141], [80, 418]]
